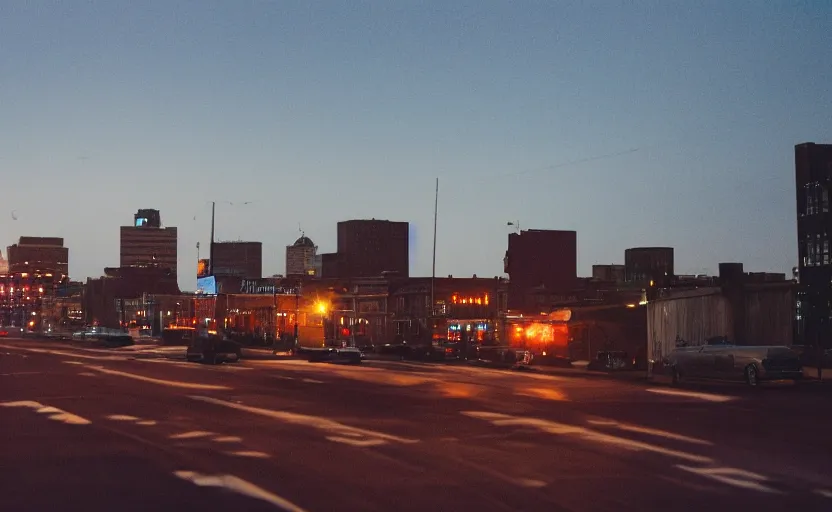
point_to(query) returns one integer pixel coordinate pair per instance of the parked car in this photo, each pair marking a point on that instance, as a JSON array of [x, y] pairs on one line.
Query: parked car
[[724, 361], [213, 349]]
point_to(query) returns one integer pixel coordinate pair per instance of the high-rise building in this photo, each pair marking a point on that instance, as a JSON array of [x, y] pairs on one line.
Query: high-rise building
[[368, 248], [813, 179], [238, 259], [36, 253], [147, 244], [4, 265], [646, 265], [540, 263], [613, 273], [301, 258]]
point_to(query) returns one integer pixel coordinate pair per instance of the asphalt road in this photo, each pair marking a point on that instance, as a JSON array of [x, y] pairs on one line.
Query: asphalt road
[[104, 430]]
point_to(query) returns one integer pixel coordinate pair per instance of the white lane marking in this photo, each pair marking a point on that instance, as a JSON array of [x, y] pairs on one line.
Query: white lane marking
[[192, 435], [65, 353], [551, 427], [240, 486], [55, 413], [194, 366], [651, 431], [312, 381], [733, 476], [146, 423], [227, 439], [824, 493], [356, 442], [87, 374], [709, 397], [73, 362], [250, 454], [335, 429], [122, 417], [19, 373], [530, 482], [169, 383]]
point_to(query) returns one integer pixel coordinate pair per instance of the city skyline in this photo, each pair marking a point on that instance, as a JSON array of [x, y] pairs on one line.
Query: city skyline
[[316, 114]]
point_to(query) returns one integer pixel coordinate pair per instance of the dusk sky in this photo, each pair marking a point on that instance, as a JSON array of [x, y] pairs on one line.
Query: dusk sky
[[661, 123]]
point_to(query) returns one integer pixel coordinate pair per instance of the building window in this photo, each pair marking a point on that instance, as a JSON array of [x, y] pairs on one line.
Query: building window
[[825, 256], [824, 199]]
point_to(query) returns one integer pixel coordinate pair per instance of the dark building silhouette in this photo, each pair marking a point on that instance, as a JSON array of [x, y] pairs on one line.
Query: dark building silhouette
[[42, 254], [540, 260], [147, 244], [613, 273], [368, 248], [813, 178], [643, 265], [239, 259]]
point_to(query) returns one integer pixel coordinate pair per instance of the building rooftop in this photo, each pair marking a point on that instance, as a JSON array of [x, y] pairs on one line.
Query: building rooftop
[[304, 241]]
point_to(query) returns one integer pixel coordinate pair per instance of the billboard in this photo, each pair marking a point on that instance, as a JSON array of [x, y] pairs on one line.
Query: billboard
[[206, 285]]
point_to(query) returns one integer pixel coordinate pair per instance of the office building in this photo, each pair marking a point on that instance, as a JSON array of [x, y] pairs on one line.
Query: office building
[[813, 178], [238, 259], [301, 258], [39, 254], [649, 266], [147, 244], [542, 265], [612, 273], [370, 248]]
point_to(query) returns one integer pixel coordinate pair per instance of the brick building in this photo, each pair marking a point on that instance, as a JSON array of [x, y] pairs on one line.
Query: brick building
[[147, 244], [542, 266], [239, 259], [368, 248], [43, 254]]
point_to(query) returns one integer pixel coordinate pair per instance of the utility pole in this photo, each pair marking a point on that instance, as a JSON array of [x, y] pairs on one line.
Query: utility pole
[[211, 247], [433, 268]]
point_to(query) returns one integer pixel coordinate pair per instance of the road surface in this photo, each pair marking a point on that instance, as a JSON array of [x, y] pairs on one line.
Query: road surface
[[101, 430]]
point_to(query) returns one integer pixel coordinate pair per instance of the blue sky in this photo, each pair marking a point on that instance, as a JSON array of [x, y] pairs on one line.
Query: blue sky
[[648, 123]]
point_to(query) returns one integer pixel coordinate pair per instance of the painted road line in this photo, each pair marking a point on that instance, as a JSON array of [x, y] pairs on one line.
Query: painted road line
[[64, 353], [650, 431], [195, 434], [824, 493], [733, 476], [53, 412], [161, 382], [551, 427], [122, 417], [240, 486], [227, 439], [709, 397], [250, 454], [337, 432]]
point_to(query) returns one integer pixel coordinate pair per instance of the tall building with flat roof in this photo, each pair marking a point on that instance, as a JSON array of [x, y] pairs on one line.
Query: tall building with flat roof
[[540, 263], [38, 253], [368, 248], [239, 259], [147, 244], [813, 180], [645, 264]]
